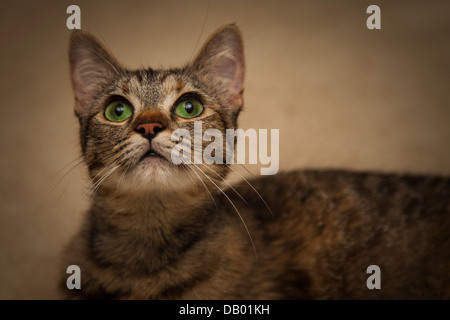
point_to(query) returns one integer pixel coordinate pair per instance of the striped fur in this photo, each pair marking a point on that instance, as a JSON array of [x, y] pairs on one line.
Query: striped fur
[[161, 231]]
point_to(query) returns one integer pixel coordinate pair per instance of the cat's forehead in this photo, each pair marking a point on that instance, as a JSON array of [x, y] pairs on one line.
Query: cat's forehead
[[154, 88]]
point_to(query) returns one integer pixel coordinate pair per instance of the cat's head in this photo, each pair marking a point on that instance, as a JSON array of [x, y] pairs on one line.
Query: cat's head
[[127, 117]]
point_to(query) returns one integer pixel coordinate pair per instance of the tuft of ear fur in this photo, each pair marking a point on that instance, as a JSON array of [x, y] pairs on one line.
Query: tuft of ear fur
[[91, 68], [221, 64]]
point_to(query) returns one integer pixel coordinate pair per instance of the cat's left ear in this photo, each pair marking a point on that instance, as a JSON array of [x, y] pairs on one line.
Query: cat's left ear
[[220, 63]]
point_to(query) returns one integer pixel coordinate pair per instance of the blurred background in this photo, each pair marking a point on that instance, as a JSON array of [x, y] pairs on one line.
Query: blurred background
[[342, 96]]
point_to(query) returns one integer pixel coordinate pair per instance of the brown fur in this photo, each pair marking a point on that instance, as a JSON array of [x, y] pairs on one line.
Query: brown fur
[[169, 232]]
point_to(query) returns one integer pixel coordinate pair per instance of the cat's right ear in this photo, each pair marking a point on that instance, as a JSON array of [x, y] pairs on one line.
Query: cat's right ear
[[91, 69]]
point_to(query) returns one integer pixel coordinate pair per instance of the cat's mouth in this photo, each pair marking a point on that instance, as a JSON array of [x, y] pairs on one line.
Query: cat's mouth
[[151, 154]]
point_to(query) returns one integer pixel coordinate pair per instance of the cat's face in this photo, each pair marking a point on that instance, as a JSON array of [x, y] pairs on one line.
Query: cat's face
[[127, 117]]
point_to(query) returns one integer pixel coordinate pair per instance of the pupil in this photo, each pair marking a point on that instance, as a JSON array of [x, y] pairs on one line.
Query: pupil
[[119, 110], [188, 107]]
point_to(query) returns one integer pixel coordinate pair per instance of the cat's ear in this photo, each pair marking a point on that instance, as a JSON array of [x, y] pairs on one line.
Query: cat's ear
[[91, 68], [221, 64]]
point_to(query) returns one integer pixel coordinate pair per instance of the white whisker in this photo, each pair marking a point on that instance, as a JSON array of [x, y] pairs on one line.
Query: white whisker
[[236, 209], [223, 179], [251, 186], [212, 198], [97, 184]]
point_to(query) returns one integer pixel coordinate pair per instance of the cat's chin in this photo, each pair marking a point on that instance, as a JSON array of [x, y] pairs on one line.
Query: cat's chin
[[155, 173]]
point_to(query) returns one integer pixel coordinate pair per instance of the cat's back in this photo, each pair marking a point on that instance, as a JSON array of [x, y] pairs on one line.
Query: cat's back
[[330, 226], [404, 195]]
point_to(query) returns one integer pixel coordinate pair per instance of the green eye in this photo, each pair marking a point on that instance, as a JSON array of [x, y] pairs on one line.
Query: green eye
[[189, 108], [118, 111]]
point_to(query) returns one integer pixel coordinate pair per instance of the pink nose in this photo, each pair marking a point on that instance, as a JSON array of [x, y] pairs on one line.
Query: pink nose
[[149, 129]]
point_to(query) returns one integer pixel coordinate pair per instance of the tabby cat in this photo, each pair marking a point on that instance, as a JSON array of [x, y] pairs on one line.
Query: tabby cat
[[157, 230]]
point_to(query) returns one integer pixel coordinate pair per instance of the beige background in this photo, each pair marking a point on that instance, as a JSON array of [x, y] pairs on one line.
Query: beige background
[[341, 95]]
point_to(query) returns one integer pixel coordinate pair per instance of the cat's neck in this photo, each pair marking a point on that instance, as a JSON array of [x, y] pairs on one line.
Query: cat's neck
[[158, 226], [138, 211]]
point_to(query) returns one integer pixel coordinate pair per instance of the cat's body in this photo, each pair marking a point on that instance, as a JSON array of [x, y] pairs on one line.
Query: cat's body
[[327, 228], [160, 231]]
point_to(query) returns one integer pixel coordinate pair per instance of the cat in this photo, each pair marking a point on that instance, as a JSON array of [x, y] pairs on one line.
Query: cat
[[156, 230]]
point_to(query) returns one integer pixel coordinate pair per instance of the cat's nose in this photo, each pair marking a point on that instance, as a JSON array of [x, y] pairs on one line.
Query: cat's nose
[[149, 129]]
